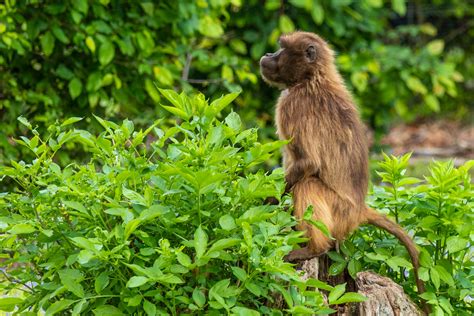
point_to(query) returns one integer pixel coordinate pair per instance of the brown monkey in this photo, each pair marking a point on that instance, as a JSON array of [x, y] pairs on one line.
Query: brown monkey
[[326, 161]]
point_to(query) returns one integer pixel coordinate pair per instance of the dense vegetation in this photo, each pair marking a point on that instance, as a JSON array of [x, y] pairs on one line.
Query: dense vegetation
[[72, 58], [109, 205], [179, 226]]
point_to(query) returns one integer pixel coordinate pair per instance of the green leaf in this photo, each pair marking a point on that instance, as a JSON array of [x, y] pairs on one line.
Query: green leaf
[[64, 72], [90, 44], [432, 102], [199, 297], [134, 197], [19, 229], [359, 80], [60, 35], [69, 121], [153, 212], [336, 268], [218, 105], [455, 244], [107, 310], [75, 87], [444, 275], [124, 213], [58, 306], [200, 241], [253, 288], [301, 310], [223, 244], [71, 279], [169, 278], [101, 282], [435, 47], [233, 121], [227, 222], [94, 82], [137, 281], [434, 276], [415, 85], [396, 262], [375, 3], [178, 112], [354, 266], [130, 227], [336, 292], [317, 13], [337, 257], [47, 43], [350, 297], [183, 259], [106, 52], [173, 97], [24, 121], [239, 273], [7, 304], [81, 6], [209, 26], [149, 308], [285, 23], [284, 292], [319, 284], [86, 243], [244, 311], [79, 307], [399, 6]]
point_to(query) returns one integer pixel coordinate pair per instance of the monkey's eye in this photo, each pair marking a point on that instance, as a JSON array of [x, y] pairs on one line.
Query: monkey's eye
[[311, 53]]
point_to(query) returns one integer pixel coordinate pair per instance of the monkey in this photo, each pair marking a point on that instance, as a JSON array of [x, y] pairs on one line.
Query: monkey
[[326, 159]]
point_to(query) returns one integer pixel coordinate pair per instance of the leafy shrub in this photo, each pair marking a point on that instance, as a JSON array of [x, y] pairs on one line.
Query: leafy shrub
[[70, 58], [164, 220], [438, 212]]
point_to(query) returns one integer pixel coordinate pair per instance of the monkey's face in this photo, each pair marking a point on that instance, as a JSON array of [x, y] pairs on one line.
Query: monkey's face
[[297, 60]]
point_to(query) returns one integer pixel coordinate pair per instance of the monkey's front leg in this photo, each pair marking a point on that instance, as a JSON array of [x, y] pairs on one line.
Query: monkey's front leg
[[294, 173]]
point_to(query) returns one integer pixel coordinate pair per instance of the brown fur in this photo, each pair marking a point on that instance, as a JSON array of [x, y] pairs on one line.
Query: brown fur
[[326, 162]]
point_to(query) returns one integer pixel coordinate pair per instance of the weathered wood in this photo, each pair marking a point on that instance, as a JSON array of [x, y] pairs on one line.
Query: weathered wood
[[385, 297]]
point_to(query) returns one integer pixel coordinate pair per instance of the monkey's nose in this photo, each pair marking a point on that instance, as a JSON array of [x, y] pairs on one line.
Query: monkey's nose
[[268, 55]]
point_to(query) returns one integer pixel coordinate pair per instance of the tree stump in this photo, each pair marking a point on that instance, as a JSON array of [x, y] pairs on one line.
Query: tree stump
[[385, 297]]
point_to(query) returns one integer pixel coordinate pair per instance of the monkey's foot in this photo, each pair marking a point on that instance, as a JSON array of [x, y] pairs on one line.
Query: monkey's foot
[[271, 201], [300, 255]]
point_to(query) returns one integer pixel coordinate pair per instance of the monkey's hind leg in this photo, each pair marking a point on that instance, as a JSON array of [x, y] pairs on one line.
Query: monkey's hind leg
[[307, 192]]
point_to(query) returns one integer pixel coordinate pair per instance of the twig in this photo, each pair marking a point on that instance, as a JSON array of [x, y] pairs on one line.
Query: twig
[[205, 81], [187, 66]]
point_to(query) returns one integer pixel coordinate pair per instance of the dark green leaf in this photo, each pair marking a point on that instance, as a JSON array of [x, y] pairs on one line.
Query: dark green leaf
[[58, 306]]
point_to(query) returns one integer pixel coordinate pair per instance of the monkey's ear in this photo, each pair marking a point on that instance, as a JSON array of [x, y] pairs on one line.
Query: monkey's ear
[[311, 53]]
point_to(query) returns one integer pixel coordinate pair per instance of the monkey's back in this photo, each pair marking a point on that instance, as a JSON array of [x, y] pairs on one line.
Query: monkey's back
[[327, 134]]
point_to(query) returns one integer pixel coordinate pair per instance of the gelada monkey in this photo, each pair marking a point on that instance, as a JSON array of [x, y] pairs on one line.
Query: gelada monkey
[[326, 161]]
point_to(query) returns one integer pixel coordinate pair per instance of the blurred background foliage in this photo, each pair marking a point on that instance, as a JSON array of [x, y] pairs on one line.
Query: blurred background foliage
[[402, 59]]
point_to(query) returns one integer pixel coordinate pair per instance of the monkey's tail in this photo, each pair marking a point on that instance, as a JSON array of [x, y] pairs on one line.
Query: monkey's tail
[[375, 218]]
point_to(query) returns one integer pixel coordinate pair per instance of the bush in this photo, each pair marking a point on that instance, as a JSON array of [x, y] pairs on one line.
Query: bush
[[69, 58], [164, 220], [438, 212]]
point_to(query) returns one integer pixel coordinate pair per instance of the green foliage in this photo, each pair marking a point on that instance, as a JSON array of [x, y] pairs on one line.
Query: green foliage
[[77, 57], [438, 212], [167, 220]]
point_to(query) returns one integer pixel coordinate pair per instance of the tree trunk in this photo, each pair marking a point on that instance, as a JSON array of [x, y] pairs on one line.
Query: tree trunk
[[385, 297]]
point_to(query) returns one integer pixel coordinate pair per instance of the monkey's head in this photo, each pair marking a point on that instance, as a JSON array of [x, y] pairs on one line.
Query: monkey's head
[[301, 57]]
